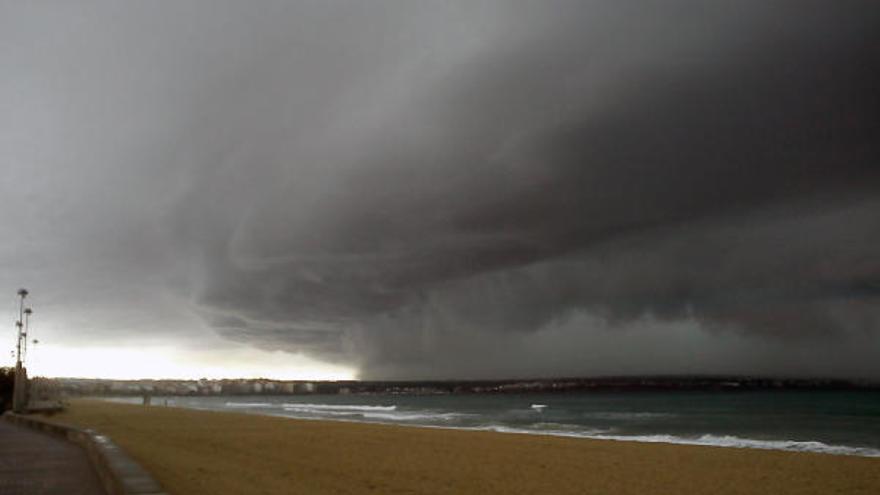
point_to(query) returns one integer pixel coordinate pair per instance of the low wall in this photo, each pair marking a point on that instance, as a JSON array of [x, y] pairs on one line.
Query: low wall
[[119, 474]]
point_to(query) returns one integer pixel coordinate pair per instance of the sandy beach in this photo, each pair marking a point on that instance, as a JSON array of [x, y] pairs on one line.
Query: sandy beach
[[200, 452]]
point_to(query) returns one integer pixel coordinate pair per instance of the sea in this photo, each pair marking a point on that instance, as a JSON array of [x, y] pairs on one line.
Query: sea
[[831, 422]]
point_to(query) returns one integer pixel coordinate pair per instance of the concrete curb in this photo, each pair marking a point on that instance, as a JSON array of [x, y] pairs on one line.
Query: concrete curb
[[119, 474]]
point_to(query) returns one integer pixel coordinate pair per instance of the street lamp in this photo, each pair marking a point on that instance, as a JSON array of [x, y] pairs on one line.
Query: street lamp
[[22, 293], [27, 316], [19, 400]]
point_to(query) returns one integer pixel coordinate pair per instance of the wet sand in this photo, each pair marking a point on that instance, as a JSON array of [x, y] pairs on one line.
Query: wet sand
[[201, 452]]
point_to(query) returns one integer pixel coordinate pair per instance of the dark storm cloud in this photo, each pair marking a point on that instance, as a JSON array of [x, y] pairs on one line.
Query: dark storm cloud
[[415, 189], [725, 173]]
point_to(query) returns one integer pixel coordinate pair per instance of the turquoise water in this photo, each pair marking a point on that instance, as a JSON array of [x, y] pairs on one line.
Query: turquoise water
[[837, 422]]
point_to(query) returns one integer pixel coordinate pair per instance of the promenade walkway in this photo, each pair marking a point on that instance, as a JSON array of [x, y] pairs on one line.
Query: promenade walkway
[[35, 463]]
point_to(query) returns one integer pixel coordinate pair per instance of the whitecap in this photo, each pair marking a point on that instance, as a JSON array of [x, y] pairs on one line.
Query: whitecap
[[248, 404], [707, 440], [335, 407], [414, 416]]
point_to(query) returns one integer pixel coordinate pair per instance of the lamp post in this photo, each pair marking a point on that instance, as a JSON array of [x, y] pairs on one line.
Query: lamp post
[[19, 400], [27, 316]]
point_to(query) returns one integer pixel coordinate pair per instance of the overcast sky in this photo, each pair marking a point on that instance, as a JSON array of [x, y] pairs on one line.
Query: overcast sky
[[414, 189]]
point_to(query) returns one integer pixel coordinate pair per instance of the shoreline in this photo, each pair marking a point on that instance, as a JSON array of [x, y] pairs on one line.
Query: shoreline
[[199, 452], [723, 442], [704, 440]]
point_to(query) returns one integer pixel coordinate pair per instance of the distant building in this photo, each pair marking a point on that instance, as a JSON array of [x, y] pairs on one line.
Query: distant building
[[304, 388]]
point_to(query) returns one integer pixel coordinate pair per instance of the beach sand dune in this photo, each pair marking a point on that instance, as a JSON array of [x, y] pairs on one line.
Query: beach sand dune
[[201, 452]]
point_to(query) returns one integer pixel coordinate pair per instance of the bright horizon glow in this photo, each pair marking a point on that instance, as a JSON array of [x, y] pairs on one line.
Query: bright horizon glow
[[129, 363]]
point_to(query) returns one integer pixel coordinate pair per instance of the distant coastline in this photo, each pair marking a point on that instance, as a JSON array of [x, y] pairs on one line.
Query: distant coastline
[[259, 386]]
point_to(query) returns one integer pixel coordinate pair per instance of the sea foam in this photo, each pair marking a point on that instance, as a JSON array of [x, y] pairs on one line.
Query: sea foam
[[249, 404], [335, 407], [382, 413], [445, 419], [704, 440]]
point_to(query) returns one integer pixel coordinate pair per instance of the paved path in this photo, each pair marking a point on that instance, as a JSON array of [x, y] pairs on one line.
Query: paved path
[[35, 463]]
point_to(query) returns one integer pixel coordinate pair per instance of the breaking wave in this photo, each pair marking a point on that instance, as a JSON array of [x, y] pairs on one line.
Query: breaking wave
[[249, 404], [551, 426], [426, 416], [335, 407], [703, 440], [381, 413]]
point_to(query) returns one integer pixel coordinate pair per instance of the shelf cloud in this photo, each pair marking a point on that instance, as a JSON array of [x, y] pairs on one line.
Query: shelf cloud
[[459, 189]]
